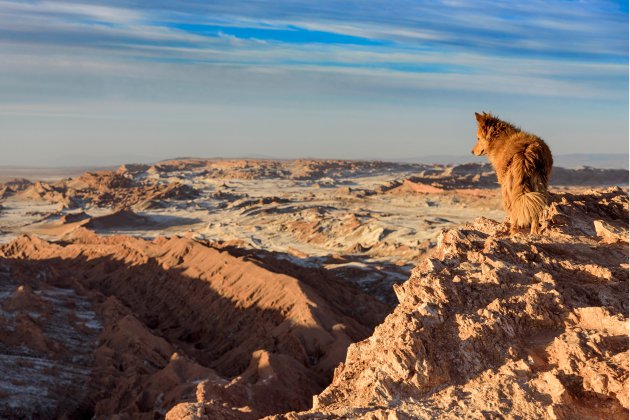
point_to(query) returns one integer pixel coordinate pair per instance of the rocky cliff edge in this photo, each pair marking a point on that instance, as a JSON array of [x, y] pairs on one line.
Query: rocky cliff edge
[[493, 326]]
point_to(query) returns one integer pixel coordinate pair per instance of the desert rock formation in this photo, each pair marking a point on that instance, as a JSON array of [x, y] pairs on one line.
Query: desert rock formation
[[530, 327], [197, 288]]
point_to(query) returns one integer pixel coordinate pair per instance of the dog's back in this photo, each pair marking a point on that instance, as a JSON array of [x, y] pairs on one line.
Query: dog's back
[[523, 164], [527, 179]]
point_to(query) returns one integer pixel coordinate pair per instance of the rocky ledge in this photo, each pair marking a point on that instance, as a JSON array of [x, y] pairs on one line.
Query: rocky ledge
[[493, 325]]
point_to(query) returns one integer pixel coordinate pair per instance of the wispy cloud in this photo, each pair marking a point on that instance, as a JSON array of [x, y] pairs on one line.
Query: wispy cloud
[[571, 31], [88, 11], [70, 55]]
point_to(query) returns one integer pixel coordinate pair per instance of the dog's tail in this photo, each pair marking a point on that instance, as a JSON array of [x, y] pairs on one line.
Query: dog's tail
[[527, 208]]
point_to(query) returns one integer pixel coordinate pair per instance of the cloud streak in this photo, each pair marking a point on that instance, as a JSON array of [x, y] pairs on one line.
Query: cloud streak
[[73, 55]]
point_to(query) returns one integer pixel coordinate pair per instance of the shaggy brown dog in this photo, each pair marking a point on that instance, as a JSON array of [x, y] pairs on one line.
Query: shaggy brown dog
[[522, 162]]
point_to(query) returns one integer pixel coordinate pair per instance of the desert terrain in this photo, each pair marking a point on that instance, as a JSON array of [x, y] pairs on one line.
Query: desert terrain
[[196, 288]]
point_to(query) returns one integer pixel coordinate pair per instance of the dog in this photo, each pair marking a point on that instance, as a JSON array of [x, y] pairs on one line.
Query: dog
[[523, 164]]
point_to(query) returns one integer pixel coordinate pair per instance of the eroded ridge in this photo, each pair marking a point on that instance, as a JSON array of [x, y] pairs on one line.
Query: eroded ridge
[[144, 327]]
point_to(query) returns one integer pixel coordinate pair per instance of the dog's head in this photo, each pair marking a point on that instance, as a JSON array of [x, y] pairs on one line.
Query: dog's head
[[483, 138], [490, 129]]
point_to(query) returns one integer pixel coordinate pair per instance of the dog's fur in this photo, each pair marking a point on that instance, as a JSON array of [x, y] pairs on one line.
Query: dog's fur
[[523, 164]]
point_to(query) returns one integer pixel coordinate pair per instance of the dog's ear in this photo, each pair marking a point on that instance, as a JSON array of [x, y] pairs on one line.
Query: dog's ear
[[480, 117]]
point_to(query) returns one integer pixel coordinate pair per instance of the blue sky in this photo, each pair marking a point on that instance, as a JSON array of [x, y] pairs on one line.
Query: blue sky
[[94, 82]]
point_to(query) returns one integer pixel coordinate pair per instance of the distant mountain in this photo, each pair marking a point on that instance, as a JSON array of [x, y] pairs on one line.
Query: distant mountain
[[598, 160], [442, 159], [574, 160], [569, 161], [80, 160]]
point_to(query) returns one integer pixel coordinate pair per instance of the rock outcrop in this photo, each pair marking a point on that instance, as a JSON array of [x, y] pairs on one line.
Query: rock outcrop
[[101, 189], [495, 326]]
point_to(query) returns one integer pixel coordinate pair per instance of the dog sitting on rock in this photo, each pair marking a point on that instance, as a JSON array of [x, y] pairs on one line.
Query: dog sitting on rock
[[523, 164]]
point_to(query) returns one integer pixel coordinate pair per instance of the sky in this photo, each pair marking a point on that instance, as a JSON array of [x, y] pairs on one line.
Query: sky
[[87, 82]]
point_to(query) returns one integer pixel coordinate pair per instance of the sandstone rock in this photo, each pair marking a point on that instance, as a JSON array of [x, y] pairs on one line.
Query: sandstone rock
[[610, 233]]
